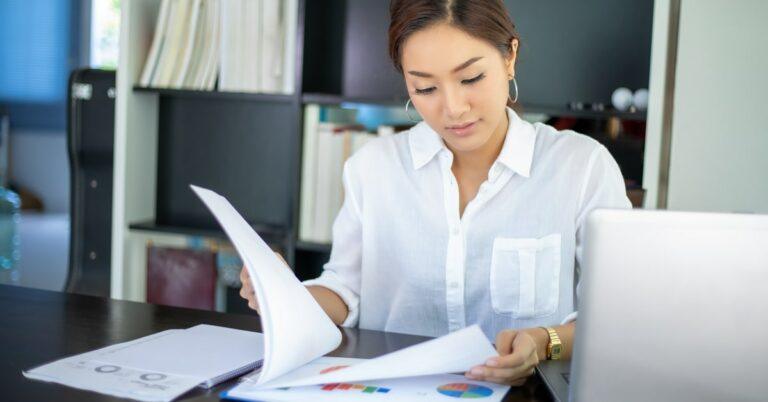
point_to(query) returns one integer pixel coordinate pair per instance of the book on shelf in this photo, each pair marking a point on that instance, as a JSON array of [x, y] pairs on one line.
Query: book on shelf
[[158, 41], [190, 45], [245, 45], [165, 265], [327, 145]]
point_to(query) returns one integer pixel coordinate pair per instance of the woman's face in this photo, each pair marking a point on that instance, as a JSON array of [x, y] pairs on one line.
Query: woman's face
[[458, 84]]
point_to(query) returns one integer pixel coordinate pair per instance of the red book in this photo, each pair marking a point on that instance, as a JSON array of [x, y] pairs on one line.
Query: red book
[[181, 277]]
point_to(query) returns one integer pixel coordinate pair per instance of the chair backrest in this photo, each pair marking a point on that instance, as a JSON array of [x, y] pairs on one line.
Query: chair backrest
[[90, 133]]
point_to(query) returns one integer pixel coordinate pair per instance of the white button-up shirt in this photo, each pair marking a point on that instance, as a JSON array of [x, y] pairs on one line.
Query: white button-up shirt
[[404, 260]]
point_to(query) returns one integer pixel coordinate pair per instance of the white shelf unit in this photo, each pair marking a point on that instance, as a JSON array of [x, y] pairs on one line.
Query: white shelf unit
[[137, 118], [135, 159]]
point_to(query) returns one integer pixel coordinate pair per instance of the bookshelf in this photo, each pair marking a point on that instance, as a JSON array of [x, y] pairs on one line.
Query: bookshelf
[[216, 95], [246, 146], [243, 145]]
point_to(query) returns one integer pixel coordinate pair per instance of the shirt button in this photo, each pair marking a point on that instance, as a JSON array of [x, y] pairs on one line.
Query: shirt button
[[455, 230], [454, 285]]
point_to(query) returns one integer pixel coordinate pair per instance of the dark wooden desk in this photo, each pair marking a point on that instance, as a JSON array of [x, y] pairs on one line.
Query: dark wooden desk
[[39, 326]]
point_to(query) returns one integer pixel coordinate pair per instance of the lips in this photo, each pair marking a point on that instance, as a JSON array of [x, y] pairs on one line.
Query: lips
[[463, 129]]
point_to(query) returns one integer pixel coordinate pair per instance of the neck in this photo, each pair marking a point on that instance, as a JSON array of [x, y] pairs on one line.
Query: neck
[[482, 158]]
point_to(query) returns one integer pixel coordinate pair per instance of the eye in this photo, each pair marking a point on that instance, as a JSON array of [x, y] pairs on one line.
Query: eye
[[474, 80], [425, 91]]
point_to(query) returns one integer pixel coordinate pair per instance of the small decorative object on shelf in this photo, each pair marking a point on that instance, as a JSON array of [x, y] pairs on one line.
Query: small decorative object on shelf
[[622, 99], [594, 106], [640, 99]]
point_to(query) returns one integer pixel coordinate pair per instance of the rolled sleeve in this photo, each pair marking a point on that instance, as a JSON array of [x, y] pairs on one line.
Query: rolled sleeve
[[330, 280], [603, 187], [342, 273]]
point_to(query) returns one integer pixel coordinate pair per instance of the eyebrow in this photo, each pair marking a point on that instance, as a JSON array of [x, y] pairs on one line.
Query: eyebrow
[[459, 68]]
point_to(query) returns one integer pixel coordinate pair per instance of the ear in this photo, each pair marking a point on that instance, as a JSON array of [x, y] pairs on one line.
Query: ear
[[510, 61]]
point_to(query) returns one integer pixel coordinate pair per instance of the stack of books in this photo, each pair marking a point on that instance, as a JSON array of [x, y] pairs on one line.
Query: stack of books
[[330, 138], [248, 45]]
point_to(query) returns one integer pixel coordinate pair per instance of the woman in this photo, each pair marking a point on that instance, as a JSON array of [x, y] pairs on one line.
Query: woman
[[473, 216]]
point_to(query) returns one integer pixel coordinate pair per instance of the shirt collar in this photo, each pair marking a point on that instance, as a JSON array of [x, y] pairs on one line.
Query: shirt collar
[[425, 143], [516, 152]]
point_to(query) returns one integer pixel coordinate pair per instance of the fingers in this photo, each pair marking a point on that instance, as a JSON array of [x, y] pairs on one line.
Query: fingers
[[502, 375], [517, 360], [244, 276], [247, 294], [504, 340], [246, 290], [281, 257]]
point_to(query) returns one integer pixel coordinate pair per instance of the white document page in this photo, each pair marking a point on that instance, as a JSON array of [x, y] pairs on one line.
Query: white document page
[[452, 353], [207, 352], [84, 372], [296, 329], [439, 387]]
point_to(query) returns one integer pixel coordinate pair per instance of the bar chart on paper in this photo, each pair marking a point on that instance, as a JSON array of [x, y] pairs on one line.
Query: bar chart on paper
[[368, 389]]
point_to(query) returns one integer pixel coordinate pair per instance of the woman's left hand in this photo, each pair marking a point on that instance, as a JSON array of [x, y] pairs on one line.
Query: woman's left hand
[[518, 358]]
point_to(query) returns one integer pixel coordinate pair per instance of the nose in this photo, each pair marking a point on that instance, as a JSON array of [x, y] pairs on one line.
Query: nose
[[456, 104]]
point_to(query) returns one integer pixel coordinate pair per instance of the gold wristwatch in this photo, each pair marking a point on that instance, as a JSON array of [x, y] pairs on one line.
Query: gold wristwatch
[[554, 346]]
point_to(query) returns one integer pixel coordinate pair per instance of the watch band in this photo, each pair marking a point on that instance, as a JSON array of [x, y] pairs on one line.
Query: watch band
[[555, 345]]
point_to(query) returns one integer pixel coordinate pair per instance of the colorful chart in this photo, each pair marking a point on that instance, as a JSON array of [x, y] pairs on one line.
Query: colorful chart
[[464, 390], [334, 368], [354, 387]]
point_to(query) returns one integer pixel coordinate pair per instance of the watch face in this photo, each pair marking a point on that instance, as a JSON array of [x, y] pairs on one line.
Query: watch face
[[556, 349]]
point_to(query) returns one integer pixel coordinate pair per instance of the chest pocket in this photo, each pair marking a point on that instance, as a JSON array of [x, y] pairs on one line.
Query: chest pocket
[[525, 276]]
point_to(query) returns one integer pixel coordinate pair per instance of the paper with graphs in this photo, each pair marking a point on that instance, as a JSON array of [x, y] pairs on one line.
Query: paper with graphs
[[297, 330], [430, 388]]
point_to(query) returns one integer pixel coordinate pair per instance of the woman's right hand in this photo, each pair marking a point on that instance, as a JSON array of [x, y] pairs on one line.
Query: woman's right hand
[[246, 290]]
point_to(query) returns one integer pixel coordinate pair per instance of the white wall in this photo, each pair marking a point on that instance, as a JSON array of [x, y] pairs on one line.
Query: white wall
[[39, 162], [719, 149]]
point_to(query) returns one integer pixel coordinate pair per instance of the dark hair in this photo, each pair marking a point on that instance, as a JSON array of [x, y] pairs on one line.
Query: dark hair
[[484, 19]]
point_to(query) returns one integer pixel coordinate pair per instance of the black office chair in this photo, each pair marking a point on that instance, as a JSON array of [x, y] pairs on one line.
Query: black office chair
[[90, 133]]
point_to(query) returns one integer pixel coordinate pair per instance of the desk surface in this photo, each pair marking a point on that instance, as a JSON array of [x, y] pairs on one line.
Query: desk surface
[[38, 326]]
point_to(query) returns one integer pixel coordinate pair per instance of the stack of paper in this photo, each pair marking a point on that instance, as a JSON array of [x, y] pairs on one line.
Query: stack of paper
[[161, 366], [297, 331], [297, 334], [439, 387]]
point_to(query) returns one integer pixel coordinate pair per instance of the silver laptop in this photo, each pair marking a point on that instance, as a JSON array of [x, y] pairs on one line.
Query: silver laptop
[[674, 307]]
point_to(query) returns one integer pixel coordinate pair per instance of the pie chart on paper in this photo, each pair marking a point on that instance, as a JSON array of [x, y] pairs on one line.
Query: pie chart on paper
[[465, 390]]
